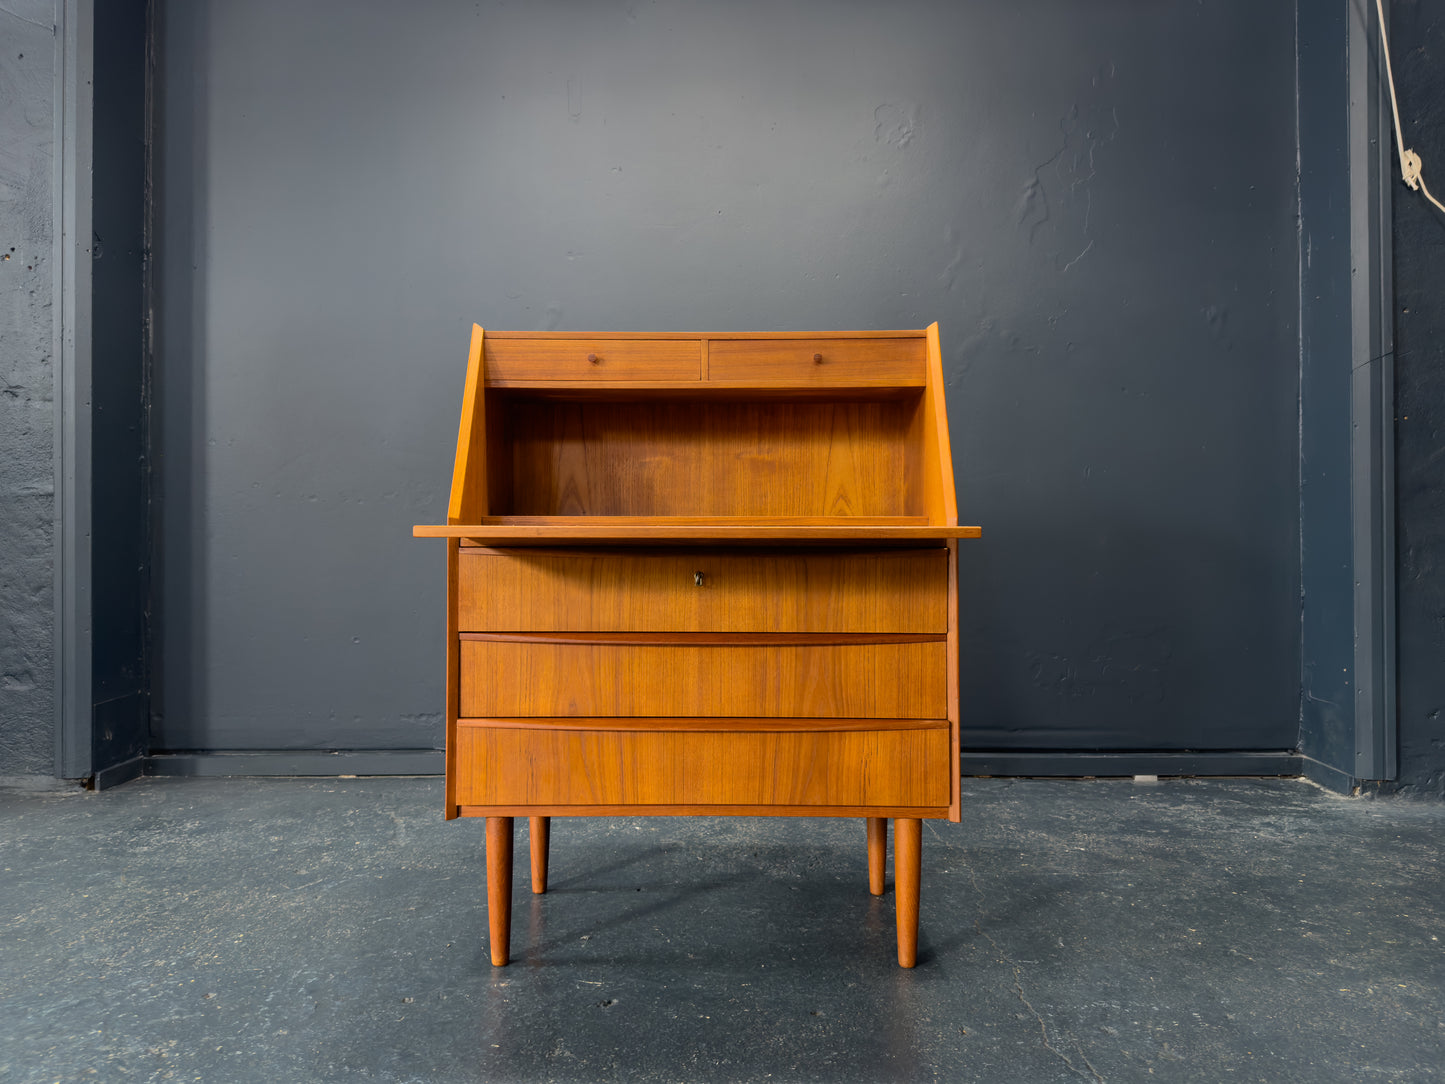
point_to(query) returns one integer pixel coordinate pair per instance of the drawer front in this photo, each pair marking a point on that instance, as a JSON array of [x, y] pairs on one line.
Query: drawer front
[[817, 361], [600, 359], [501, 678], [516, 766], [899, 591]]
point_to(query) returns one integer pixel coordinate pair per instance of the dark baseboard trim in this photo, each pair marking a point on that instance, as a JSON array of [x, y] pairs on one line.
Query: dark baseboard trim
[[117, 774], [974, 763], [301, 762], [1013, 762], [1329, 777]]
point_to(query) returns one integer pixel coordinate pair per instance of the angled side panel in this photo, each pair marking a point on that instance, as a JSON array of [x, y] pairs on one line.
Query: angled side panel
[[940, 500], [469, 473]]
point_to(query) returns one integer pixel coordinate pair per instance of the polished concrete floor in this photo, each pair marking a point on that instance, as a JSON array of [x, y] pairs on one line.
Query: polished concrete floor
[[335, 930]]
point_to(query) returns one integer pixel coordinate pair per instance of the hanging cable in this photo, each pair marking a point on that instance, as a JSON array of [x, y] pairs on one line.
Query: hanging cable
[[1409, 160]]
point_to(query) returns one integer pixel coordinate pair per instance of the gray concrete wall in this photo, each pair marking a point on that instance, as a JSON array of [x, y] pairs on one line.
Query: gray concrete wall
[[27, 476], [1097, 202]]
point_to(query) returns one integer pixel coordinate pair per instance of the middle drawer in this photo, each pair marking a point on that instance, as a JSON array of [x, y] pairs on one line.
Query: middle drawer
[[902, 590], [503, 678]]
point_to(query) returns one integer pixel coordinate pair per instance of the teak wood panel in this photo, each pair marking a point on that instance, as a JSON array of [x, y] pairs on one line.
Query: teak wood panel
[[453, 679], [712, 724], [469, 473], [817, 361], [502, 678], [592, 359], [926, 812], [709, 458], [899, 591], [955, 802], [572, 767], [939, 498], [523, 532]]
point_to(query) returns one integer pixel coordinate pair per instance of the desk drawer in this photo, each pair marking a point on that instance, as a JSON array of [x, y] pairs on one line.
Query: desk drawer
[[881, 591], [548, 766], [889, 362], [505, 678], [587, 359]]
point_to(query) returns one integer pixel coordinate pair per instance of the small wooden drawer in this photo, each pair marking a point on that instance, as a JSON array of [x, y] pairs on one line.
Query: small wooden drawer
[[536, 676], [547, 766], [803, 362], [587, 359], [579, 591]]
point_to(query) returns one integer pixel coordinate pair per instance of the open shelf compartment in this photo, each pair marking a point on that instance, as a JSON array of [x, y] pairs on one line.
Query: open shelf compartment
[[806, 437]]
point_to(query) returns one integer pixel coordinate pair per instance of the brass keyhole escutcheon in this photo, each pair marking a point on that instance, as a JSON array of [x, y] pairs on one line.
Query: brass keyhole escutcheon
[[697, 578]]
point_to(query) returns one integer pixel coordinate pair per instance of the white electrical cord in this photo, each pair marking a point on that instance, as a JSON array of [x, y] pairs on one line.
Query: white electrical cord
[[1409, 160]]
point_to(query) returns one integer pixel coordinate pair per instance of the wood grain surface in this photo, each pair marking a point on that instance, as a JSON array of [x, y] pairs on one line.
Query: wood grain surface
[[661, 531], [593, 358], [818, 361], [705, 458], [499, 889], [877, 833], [539, 837], [554, 809], [720, 723], [940, 499], [714, 639], [568, 767], [468, 501], [875, 680], [887, 591], [907, 878]]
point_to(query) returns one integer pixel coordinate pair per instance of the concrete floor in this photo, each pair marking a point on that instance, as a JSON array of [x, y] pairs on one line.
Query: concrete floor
[[319, 930]]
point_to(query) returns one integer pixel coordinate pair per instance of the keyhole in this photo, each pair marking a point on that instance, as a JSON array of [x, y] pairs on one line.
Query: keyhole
[[697, 578]]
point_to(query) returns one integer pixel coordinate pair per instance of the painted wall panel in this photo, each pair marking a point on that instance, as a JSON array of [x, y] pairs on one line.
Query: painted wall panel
[[1417, 45], [120, 553], [1097, 202]]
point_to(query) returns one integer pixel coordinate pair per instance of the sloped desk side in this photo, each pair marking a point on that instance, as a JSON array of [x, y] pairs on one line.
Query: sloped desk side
[[703, 575]]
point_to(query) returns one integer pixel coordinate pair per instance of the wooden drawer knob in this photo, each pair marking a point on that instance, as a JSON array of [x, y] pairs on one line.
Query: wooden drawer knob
[[592, 358], [817, 359]]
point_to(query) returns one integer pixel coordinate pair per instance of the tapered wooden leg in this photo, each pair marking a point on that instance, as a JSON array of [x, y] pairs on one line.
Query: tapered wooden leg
[[499, 888], [907, 865], [540, 832], [877, 853]]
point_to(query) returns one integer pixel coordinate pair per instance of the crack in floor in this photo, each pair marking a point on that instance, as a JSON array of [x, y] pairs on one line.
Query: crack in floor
[[1023, 998]]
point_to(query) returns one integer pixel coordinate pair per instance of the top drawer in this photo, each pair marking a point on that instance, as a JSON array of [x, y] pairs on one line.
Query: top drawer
[[592, 359], [588, 591], [886, 362]]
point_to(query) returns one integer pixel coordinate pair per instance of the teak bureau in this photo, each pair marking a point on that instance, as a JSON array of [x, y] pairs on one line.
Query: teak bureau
[[703, 574]]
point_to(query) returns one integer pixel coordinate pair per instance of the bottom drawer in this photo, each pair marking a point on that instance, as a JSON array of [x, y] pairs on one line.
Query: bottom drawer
[[541, 766]]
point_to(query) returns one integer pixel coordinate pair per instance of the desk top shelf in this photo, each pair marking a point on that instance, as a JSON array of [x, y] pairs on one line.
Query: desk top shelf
[[664, 530], [636, 439]]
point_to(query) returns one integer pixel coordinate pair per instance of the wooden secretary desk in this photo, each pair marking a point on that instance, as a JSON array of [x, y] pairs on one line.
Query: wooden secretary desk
[[703, 574]]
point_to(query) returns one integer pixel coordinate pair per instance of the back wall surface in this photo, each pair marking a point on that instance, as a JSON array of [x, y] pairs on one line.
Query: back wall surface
[[1097, 203]]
